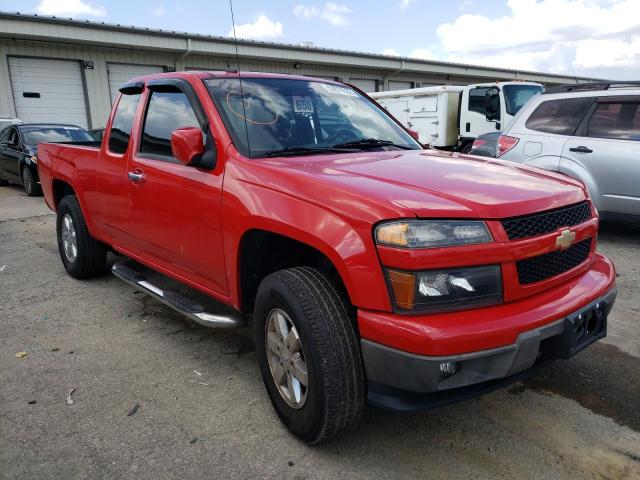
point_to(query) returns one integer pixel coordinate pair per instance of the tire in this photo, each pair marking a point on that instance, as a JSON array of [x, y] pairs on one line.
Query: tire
[[90, 256], [29, 182], [466, 148], [335, 388]]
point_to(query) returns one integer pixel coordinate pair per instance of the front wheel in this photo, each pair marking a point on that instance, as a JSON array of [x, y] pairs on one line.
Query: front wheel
[[308, 354], [30, 185], [82, 255]]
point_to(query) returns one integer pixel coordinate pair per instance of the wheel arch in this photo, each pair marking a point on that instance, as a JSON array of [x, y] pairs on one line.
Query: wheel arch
[[264, 251]]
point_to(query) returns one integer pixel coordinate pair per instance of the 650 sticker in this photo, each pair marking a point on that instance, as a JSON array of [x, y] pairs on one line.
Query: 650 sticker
[[302, 104]]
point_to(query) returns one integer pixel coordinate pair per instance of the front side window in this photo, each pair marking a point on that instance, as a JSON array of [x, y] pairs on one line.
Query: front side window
[[560, 117], [515, 96], [476, 99], [167, 111], [619, 121], [265, 116], [123, 123]]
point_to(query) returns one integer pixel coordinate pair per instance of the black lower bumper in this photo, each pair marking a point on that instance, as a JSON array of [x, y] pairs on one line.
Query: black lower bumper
[[403, 381]]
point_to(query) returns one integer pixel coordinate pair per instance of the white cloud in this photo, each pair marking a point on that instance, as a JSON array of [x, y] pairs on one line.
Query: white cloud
[[263, 28], [390, 52], [70, 8], [405, 3], [334, 13], [306, 11], [159, 11], [608, 53], [422, 54], [548, 35]]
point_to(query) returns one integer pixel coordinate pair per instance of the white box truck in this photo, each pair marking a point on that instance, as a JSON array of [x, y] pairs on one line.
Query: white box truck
[[450, 117]]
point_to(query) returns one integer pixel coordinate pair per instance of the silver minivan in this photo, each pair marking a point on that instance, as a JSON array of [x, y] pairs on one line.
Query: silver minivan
[[590, 132]]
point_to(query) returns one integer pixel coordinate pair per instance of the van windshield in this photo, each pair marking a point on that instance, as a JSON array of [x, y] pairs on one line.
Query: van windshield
[[268, 116], [515, 96]]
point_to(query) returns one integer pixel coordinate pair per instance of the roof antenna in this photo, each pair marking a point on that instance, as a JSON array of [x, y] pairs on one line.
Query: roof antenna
[[242, 100]]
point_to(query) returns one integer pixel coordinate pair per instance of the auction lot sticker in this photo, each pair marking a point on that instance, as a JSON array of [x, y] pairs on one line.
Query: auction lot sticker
[[302, 104]]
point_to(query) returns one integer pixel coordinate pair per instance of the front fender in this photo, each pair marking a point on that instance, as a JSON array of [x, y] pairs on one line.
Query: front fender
[[350, 248]]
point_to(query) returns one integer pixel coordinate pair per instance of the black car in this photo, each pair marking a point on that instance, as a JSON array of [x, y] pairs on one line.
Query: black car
[[486, 145], [19, 150], [97, 134]]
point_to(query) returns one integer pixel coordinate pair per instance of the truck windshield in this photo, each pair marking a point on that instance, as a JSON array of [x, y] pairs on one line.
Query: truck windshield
[[515, 96], [33, 135], [268, 116]]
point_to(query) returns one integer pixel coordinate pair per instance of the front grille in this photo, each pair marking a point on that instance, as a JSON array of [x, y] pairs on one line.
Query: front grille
[[549, 265], [545, 222]]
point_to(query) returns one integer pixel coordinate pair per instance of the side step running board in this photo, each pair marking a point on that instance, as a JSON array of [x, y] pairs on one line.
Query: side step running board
[[178, 296]]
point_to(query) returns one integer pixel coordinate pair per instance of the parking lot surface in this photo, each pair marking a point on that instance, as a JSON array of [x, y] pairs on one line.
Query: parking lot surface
[[158, 397]]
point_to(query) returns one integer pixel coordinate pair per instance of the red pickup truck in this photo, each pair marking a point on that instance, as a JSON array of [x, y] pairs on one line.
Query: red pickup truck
[[368, 267]]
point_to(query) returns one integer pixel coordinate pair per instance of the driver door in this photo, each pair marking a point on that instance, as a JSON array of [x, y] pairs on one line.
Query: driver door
[[176, 216]]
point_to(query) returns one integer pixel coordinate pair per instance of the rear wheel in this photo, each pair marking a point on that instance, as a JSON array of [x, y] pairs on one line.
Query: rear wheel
[[30, 185], [82, 255], [308, 354]]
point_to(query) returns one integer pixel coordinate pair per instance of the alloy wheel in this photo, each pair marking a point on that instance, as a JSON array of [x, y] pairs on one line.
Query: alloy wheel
[[286, 358]]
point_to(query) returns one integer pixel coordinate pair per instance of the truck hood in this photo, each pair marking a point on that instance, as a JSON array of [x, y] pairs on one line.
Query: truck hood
[[434, 183]]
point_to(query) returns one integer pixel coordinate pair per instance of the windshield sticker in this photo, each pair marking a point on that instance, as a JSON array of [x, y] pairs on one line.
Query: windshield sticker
[[302, 104], [339, 90]]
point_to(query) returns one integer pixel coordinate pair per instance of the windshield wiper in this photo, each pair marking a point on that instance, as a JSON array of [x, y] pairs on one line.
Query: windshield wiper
[[292, 151], [371, 143]]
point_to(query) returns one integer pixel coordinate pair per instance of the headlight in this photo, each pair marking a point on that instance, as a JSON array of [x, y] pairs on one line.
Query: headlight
[[34, 158], [431, 233], [445, 290]]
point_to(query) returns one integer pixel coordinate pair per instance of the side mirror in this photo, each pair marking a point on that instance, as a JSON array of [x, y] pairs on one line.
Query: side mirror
[[414, 134], [492, 104], [187, 145]]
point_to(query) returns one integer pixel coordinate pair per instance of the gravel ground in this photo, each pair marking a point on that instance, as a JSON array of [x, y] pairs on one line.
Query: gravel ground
[[156, 397]]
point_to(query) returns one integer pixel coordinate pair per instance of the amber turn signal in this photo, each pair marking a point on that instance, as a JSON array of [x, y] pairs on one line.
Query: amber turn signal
[[403, 286]]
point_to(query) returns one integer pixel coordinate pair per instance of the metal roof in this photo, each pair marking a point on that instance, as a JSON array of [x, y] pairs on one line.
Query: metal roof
[[378, 61]]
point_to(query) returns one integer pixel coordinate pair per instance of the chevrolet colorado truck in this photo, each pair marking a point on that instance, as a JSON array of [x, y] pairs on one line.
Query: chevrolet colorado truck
[[369, 268]]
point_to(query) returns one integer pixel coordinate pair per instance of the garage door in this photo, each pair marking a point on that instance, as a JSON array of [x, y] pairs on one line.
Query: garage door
[[398, 85], [48, 91], [120, 73], [364, 84]]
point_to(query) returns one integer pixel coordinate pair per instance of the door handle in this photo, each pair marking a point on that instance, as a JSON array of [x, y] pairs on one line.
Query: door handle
[[581, 149], [136, 176]]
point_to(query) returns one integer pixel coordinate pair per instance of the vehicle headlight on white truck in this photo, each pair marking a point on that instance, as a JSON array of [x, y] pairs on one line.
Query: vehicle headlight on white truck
[[431, 233]]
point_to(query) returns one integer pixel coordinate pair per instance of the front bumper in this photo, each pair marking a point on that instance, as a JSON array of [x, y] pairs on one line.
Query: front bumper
[[401, 380]]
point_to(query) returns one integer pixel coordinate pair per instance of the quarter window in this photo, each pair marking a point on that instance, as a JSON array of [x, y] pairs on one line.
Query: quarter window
[[560, 117], [122, 123], [167, 111], [476, 100], [619, 121]]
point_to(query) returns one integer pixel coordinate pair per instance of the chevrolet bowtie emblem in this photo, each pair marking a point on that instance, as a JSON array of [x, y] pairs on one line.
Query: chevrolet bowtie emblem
[[565, 239]]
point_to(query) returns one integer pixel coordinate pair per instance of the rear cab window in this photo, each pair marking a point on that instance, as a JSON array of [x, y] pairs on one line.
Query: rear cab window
[[122, 124], [560, 117]]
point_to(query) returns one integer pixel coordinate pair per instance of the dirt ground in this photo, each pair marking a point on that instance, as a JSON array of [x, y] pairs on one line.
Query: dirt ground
[[156, 397]]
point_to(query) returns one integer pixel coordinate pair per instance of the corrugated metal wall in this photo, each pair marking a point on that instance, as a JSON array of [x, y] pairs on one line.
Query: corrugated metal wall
[[97, 81]]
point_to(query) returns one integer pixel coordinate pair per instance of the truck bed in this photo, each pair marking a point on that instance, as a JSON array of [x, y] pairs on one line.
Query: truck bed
[[70, 162]]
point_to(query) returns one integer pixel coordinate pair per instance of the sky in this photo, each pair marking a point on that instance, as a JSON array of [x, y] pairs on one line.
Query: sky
[[596, 38]]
